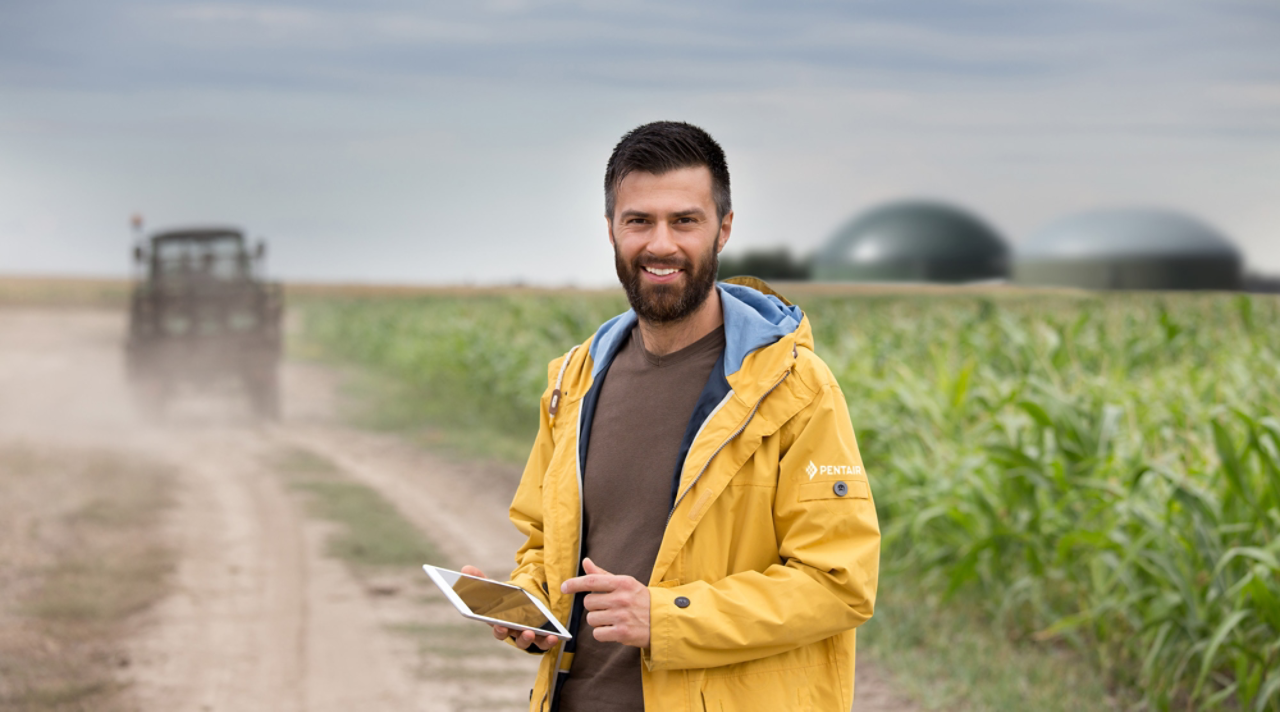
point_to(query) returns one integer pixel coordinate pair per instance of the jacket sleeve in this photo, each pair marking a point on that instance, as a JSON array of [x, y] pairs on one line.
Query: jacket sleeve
[[526, 507], [829, 553]]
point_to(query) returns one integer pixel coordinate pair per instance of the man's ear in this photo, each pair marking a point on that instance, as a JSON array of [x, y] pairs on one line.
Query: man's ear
[[726, 227], [608, 223]]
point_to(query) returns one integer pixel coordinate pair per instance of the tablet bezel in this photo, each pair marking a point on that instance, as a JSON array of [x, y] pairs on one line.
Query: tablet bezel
[[438, 580]]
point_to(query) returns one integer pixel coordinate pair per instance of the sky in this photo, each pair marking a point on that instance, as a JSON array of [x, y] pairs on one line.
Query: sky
[[465, 143]]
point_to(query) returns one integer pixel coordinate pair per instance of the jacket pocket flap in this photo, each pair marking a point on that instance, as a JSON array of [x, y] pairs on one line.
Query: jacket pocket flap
[[832, 489]]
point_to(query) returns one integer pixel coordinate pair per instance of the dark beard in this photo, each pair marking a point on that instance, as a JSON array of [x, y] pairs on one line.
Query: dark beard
[[668, 303]]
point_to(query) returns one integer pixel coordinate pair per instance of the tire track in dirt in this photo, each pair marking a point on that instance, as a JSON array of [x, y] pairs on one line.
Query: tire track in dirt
[[462, 510], [234, 615]]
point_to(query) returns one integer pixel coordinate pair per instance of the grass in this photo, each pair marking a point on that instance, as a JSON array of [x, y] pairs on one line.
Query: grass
[[82, 558], [471, 366], [63, 292], [1088, 476], [377, 402], [371, 534], [948, 656]]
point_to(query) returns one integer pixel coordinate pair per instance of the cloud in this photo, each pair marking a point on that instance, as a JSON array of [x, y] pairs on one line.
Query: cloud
[[268, 26]]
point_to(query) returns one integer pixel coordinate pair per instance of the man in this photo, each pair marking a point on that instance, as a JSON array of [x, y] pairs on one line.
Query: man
[[695, 505]]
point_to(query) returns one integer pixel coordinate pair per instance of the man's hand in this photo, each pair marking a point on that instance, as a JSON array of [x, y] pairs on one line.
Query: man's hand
[[617, 607], [523, 638]]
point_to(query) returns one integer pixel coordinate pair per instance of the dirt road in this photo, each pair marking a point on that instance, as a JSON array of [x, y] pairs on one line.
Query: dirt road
[[260, 617]]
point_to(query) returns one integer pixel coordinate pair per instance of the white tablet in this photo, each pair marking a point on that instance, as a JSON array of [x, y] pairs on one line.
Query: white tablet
[[495, 602]]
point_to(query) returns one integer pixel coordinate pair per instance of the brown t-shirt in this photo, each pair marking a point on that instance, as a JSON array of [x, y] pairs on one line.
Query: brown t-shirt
[[640, 420]]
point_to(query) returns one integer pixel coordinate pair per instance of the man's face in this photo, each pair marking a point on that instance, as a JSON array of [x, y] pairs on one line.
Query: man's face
[[666, 239]]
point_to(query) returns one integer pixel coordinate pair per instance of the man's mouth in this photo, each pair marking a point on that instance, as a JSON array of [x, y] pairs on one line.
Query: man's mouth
[[661, 271]]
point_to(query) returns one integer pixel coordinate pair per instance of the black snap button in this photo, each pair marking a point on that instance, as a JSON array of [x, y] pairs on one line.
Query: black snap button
[[841, 489], [682, 602]]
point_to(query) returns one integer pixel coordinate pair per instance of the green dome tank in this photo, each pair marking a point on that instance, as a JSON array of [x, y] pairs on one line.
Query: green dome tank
[[1129, 249], [913, 241]]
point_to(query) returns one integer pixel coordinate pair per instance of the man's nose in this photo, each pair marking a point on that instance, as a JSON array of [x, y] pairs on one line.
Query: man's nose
[[663, 243]]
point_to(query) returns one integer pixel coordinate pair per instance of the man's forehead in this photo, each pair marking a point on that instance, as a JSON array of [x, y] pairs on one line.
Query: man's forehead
[[693, 182]]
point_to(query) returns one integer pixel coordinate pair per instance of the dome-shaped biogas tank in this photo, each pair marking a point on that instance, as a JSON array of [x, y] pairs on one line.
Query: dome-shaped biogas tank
[[1129, 249], [914, 241]]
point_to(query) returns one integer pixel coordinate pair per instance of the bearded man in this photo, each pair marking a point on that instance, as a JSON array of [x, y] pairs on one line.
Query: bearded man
[[695, 507]]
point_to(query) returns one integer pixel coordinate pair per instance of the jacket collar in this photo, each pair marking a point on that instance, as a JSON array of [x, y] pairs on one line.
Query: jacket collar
[[752, 320]]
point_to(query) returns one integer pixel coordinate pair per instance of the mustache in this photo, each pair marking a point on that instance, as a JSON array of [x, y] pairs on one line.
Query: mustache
[[662, 263]]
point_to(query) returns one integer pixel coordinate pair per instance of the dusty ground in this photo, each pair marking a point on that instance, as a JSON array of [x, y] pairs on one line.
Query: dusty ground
[[259, 616]]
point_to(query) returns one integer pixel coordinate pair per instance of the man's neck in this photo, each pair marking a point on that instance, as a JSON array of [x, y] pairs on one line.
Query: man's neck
[[663, 339]]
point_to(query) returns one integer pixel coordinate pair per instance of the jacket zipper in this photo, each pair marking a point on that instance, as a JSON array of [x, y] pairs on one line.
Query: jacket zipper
[[724, 444], [698, 434], [555, 673]]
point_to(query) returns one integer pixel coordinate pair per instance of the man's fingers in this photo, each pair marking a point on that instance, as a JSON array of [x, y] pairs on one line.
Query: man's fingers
[[600, 601], [610, 634], [528, 637], [601, 619], [523, 639], [596, 579], [590, 582], [473, 571]]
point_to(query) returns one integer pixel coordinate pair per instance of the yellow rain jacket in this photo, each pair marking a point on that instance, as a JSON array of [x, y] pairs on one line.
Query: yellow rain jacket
[[772, 545]]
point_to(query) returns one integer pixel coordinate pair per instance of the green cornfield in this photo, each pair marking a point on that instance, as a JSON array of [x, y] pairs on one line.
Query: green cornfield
[[1101, 472]]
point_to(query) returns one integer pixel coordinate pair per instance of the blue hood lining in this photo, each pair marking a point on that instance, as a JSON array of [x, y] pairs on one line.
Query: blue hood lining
[[752, 320]]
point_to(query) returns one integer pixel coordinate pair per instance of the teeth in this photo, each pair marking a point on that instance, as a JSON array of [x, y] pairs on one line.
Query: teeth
[[661, 272]]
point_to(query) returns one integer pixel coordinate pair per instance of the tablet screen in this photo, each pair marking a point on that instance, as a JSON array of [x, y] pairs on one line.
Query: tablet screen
[[496, 600]]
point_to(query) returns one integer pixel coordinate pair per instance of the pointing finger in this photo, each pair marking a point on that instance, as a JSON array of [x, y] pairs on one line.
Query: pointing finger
[[602, 583]]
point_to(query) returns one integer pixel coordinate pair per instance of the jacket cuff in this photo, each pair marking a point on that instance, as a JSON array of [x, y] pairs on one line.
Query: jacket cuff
[[664, 623]]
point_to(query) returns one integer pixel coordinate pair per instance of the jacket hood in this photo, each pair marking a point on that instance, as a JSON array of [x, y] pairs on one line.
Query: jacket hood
[[752, 320]]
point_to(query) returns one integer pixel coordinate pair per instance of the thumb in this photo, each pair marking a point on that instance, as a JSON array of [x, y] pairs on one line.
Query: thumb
[[590, 567]]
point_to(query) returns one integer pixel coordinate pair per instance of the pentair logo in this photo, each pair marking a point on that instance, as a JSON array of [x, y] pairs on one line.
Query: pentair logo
[[813, 469]]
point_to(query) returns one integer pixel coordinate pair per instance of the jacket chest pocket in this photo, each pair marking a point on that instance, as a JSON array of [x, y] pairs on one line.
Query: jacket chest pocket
[[752, 459]]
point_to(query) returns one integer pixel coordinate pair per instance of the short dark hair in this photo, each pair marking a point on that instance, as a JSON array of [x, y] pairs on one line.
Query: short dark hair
[[664, 146]]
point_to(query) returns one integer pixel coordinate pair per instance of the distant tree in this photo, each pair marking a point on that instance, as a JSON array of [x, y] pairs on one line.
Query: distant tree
[[765, 264]]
